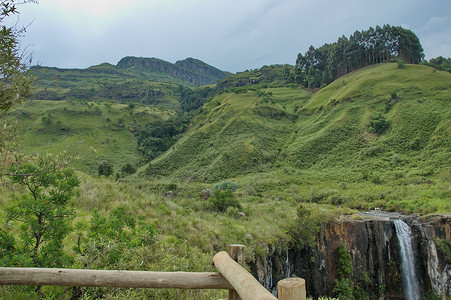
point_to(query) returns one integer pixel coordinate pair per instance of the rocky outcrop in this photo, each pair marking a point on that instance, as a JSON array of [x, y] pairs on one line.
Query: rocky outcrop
[[191, 70], [374, 250]]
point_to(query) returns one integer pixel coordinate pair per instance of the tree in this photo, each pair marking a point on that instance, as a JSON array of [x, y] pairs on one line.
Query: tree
[[15, 84], [343, 284], [105, 168], [43, 209], [304, 229]]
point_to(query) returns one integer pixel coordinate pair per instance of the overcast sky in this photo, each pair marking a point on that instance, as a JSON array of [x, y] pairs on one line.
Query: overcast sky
[[232, 35]]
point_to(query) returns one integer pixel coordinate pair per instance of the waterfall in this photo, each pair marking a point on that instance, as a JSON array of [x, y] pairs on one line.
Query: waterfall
[[411, 286]]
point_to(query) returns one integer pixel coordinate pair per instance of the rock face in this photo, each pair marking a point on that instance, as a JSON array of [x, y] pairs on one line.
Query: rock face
[[374, 249], [190, 70]]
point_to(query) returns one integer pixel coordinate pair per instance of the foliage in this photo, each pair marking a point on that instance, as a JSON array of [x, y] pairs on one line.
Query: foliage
[[226, 186], [128, 169], [15, 84], [343, 289], [319, 67], [444, 246], [440, 63], [43, 210], [343, 284], [109, 236], [105, 168], [304, 229], [266, 76], [378, 124], [344, 262], [192, 99], [223, 199], [159, 136]]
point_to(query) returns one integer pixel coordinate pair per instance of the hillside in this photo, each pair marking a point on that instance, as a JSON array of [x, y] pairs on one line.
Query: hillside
[[233, 134], [93, 132], [379, 128]]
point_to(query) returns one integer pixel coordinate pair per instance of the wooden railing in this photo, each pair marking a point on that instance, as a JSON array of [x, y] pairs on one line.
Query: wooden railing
[[232, 276]]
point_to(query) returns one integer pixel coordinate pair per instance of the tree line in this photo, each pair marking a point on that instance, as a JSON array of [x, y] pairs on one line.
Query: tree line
[[320, 66]]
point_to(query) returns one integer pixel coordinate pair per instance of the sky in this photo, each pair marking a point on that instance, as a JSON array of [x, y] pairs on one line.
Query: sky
[[232, 35]]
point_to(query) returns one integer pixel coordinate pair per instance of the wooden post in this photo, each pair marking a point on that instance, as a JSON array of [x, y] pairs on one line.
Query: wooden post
[[236, 253], [247, 287], [291, 289]]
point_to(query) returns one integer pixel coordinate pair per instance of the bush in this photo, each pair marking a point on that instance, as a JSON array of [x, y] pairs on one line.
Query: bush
[[304, 229], [128, 169], [226, 186], [378, 124], [105, 168], [223, 199]]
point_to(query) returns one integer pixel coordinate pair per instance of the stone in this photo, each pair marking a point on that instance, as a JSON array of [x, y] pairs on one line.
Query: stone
[[169, 194], [205, 194]]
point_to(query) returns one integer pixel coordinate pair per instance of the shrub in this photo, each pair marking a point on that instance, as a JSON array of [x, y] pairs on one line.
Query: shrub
[[105, 168], [223, 199], [226, 186], [378, 124], [303, 230], [128, 169]]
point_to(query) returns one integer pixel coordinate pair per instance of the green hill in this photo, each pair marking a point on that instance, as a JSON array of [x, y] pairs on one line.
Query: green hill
[[233, 134], [375, 116], [378, 137], [91, 131]]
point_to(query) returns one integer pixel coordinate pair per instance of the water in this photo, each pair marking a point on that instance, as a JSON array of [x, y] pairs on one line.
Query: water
[[411, 287]]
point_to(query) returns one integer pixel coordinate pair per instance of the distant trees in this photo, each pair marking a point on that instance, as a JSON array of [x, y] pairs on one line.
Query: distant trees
[[159, 136], [321, 66], [440, 63]]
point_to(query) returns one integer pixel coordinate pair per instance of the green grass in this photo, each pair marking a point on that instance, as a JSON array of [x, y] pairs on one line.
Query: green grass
[[91, 131]]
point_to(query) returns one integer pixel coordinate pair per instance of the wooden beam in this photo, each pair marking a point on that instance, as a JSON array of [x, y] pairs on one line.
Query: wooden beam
[[291, 288], [104, 278], [242, 281]]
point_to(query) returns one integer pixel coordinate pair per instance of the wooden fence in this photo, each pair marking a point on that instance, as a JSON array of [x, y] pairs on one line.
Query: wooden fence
[[232, 276]]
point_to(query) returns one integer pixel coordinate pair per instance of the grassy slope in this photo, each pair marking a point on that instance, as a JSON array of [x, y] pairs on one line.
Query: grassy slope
[[235, 134], [334, 122], [91, 131], [107, 82]]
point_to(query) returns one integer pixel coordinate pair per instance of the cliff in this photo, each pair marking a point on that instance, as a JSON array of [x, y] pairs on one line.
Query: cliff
[[191, 70], [375, 252]]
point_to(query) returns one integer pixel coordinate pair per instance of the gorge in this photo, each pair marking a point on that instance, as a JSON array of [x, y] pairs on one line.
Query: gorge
[[376, 253]]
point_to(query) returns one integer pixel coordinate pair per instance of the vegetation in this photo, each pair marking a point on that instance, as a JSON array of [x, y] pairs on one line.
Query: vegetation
[[440, 63], [319, 67], [343, 284]]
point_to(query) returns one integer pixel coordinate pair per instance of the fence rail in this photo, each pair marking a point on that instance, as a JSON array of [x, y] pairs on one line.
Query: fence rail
[[232, 276]]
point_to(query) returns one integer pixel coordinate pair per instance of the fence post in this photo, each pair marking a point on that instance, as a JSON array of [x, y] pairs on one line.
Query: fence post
[[291, 288], [236, 252]]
